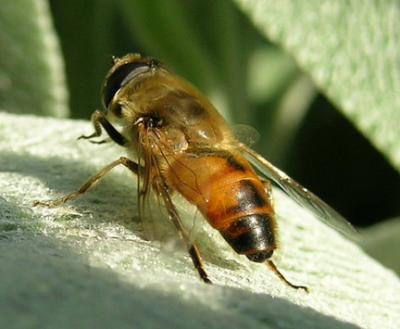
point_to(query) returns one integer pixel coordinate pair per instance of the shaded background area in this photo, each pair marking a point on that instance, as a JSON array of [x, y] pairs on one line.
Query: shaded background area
[[252, 82]]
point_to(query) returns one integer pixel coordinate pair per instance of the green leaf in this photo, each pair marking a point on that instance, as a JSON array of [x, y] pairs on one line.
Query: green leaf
[[351, 49], [86, 263], [380, 240], [31, 68], [164, 29], [88, 35]]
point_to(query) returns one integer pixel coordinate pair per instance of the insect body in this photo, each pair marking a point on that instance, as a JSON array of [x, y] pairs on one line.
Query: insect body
[[180, 144], [231, 197]]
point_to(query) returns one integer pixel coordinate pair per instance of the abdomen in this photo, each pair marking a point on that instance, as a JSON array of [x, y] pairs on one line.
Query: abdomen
[[231, 197]]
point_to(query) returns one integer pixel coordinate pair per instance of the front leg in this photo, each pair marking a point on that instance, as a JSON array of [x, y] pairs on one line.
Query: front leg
[[131, 165], [99, 120]]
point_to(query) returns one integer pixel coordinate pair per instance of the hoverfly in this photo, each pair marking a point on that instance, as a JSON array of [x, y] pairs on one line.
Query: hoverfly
[[181, 144]]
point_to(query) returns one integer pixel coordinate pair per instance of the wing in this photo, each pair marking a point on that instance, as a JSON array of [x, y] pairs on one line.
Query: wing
[[245, 134], [151, 211], [300, 194], [153, 157], [152, 178]]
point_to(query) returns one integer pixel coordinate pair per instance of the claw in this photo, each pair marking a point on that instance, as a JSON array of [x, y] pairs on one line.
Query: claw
[[87, 136], [103, 141]]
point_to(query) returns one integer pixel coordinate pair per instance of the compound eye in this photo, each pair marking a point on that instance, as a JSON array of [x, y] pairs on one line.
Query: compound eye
[[120, 77]]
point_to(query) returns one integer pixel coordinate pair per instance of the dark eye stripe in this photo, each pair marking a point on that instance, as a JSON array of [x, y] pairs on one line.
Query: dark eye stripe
[[119, 78]]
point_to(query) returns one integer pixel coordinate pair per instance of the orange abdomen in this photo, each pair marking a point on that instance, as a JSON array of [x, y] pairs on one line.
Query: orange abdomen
[[227, 191]]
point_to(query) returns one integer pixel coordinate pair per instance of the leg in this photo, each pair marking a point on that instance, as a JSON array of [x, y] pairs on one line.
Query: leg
[[132, 166], [274, 269], [99, 120], [184, 235], [198, 263]]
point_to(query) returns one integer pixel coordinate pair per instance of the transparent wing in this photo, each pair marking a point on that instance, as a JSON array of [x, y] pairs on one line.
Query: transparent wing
[[300, 194], [152, 178], [151, 211], [245, 134]]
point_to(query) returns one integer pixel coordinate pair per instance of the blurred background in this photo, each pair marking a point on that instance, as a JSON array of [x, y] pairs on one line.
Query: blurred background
[[250, 79]]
